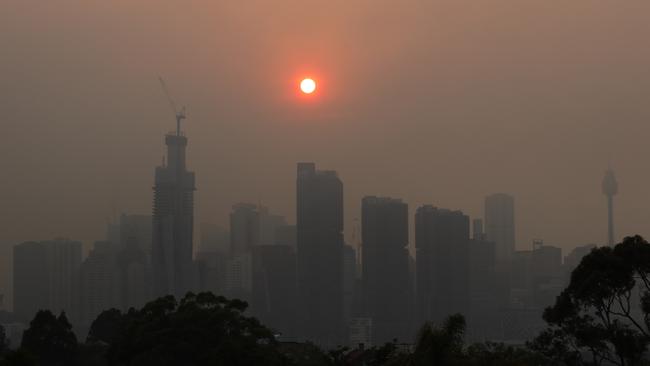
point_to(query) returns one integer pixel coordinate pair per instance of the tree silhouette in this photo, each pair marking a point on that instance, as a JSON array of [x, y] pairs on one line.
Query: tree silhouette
[[604, 312], [4, 343], [106, 327], [50, 339], [201, 329], [18, 357], [439, 346]]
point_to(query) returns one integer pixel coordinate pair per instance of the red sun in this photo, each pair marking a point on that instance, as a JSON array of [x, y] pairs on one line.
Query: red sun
[[307, 85]]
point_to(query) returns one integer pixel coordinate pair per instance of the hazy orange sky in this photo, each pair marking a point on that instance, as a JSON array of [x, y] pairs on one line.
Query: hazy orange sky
[[438, 102]]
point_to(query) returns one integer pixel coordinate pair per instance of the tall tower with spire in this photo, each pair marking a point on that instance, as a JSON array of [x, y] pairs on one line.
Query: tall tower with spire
[[173, 221], [610, 188]]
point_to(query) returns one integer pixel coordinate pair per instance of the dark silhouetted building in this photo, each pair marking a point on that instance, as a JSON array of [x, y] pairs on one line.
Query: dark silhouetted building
[[442, 260], [286, 235], [46, 277], [252, 225], [500, 224], [244, 228], [572, 260], [134, 267], [214, 238], [173, 222], [99, 290], [610, 189], [274, 288], [135, 231], [546, 274], [269, 225], [212, 258], [385, 273], [320, 254], [484, 290], [31, 282]]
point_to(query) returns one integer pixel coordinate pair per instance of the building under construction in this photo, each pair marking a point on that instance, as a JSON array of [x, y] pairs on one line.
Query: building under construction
[[173, 218]]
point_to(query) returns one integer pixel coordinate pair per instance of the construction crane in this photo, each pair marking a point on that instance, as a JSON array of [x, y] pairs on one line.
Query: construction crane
[[179, 114]]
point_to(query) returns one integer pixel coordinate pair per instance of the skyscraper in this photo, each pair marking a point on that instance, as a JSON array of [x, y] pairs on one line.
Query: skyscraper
[[134, 261], [483, 290], [442, 260], [385, 273], [46, 277], [273, 298], [98, 282], [319, 215], [30, 280], [135, 230], [244, 228], [173, 221], [610, 189], [500, 224]]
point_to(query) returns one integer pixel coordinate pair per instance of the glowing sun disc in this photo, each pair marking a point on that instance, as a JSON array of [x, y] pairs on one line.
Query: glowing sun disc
[[307, 86]]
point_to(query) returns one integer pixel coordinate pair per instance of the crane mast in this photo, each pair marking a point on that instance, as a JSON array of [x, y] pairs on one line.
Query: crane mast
[[179, 114]]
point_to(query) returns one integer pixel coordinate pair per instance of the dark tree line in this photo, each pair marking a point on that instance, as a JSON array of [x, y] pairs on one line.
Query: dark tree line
[[601, 318]]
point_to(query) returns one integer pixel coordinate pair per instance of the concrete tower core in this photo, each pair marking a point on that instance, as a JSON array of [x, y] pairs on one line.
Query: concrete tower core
[[610, 188]]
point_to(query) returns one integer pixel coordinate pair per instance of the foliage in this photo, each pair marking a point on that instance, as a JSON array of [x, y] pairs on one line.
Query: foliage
[[18, 357], [304, 354], [4, 342], [106, 327], [439, 346], [498, 354], [50, 339], [201, 329], [603, 313]]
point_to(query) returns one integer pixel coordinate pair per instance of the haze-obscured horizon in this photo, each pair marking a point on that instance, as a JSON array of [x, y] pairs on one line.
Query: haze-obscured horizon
[[428, 101]]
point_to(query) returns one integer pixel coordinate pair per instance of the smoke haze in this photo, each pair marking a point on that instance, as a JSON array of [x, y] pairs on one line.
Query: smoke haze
[[438, 102]]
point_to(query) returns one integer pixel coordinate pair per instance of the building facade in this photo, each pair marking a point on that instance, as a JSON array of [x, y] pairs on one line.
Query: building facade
[[385, 273], [319, 215], [500, 224], [173, 222], [46, 276], [442, 261]]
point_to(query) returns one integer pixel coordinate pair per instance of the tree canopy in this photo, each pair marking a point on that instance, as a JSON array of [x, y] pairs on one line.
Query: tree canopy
[[201, 329], [50, 339], [603, 315]]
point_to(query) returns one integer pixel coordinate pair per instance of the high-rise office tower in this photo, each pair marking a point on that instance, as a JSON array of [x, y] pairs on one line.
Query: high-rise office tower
[[135, 230], [212, 258], [500, 224], [477, 230], [269, 224], [285, 235], [214, 238], [319, 226], [252, 225], [134, 261], [610, 189], [46, 277], [244, 228], [349, 282], [385, 273], [273, 298], [30, 280], [98, 282], [483, 290], [442, 260], [173, 222]]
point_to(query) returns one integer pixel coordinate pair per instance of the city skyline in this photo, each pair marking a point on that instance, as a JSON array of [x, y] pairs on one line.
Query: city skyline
[[342, 182], [304, 279]]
